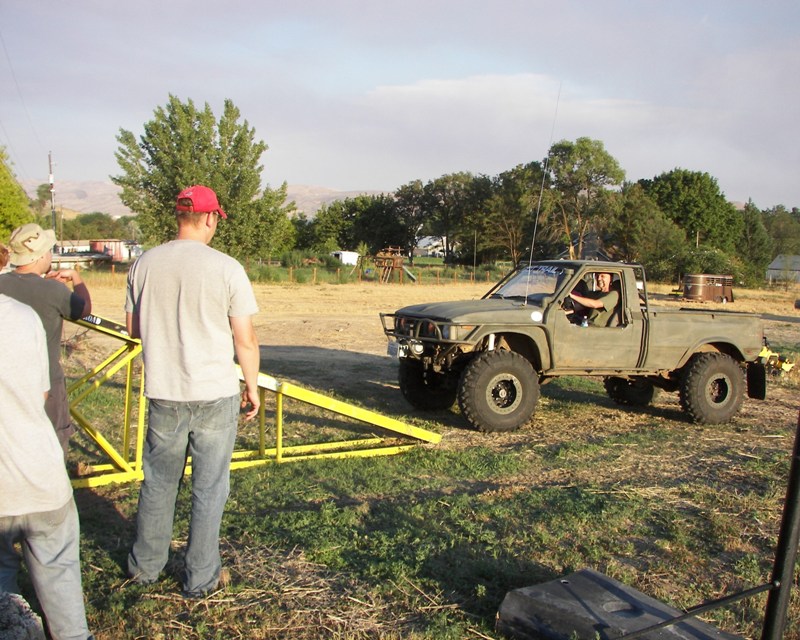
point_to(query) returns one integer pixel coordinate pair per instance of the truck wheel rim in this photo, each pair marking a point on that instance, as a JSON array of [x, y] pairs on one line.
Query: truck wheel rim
[[718, 390], [504, 393]]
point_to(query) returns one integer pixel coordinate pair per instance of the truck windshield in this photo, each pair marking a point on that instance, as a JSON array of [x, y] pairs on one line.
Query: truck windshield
[[533, 282]]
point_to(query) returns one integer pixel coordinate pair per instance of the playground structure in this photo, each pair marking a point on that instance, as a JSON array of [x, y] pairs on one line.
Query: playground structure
[[389, 263], [382, 436]]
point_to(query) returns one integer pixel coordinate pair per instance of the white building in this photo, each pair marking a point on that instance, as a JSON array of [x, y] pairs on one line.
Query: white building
[[346, 257]]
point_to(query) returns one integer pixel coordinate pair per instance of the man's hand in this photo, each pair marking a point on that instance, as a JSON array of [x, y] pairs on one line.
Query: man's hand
[[250, 404], [64, 276]]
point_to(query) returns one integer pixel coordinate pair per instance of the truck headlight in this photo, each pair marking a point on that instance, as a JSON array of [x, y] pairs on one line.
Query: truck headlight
[[456, 331]]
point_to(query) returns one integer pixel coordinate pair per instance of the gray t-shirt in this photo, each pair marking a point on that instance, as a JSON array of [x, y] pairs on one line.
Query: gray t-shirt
[[31, 460], [184, 293]]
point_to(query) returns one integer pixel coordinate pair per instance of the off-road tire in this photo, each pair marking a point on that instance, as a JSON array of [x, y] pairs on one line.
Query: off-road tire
[[636, 392], [426, 390], [498, 391], [712, 388]]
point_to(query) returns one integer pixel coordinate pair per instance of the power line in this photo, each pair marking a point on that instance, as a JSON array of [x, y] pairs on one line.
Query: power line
[[24, 108]]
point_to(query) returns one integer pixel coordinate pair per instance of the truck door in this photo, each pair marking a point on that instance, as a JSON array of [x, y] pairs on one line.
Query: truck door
[[614, 344]]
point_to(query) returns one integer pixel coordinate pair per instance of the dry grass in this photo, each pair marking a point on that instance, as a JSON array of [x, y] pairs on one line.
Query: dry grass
[[328, 337]]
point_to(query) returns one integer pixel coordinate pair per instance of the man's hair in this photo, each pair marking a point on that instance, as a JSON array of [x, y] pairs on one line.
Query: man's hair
[[185, 202], [189, 218]]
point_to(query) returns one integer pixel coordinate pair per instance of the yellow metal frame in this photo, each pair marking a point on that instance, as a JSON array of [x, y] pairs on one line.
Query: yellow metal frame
[[125, 465]]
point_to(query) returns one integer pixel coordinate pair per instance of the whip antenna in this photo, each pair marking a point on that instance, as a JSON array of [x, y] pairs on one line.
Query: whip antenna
[[541, 190], [544, 175]]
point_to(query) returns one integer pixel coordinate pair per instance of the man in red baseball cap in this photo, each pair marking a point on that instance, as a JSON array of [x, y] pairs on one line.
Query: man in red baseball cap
[[186, 301], [199, 199]]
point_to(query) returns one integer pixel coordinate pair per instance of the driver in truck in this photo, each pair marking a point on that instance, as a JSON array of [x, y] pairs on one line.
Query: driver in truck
[[599, 305]]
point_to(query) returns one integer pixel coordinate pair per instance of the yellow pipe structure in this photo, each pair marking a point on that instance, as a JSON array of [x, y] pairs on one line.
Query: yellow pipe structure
[[387, 437]]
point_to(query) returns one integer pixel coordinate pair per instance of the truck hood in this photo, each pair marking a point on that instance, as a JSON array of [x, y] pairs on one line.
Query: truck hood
[[488, 311]]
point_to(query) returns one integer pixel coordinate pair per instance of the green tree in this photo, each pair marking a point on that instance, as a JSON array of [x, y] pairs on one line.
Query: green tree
[[510, 212], [640, 232], [376, 223], [581, 172], [183, 145], [412, 213], [705, 259], [693, 201], [303, 231], [754, 247], [14, 203], [784, 230], [263, 229], [43, 199], [450, 199], [332, 227]]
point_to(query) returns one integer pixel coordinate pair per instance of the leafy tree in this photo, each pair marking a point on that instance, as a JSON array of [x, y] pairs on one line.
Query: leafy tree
[[376, 223], [754, 247], [784, 230], [303, 231], [470, 243], [450, 198], [581, 172], [43, 199], [14, 203], [693, 201], [508, 226], [263, 229], [412, 213], [183, 145], [93, 225], [706, 259], [332, 227], [639, 232]]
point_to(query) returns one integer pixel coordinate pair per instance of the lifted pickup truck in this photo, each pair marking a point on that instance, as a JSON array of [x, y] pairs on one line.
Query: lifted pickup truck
[[492, 354]]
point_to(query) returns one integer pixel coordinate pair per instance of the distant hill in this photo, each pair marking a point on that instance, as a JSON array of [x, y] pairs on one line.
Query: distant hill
[[89, 197]]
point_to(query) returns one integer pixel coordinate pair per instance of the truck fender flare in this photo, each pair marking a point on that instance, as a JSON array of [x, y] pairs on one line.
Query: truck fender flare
[[527, 346], [711, 347]]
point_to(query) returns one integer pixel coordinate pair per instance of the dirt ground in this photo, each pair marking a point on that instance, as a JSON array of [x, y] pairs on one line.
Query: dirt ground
[[329, 337]]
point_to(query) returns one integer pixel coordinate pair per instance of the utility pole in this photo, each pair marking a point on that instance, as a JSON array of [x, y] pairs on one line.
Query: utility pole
[[52, 192]]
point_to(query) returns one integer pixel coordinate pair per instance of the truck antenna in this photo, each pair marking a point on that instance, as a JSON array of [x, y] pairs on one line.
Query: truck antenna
[[541, 190], [544, 175]]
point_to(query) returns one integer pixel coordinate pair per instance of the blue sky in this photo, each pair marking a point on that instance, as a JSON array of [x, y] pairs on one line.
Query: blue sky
[[369, 95]]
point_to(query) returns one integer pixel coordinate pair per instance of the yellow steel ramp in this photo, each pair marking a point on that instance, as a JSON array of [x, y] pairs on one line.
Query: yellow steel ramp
[[368, 432]]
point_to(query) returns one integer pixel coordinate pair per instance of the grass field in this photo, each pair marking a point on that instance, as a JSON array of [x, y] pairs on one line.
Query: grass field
[[427, 543]]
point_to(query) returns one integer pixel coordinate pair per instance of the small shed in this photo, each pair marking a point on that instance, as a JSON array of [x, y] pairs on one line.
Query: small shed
[[784, 268], [346, 257]]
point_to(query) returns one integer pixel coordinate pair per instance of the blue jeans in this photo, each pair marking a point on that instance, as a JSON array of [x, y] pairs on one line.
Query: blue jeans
[[206, 431], [50, 545]]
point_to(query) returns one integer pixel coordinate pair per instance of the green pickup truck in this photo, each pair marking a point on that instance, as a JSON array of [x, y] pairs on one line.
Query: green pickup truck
[[492, 354]]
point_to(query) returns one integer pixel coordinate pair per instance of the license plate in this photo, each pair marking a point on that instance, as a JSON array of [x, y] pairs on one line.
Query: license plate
[[393, 350]]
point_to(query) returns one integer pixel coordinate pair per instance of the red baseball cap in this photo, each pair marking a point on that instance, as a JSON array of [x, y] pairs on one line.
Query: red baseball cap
[[203, 200]]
